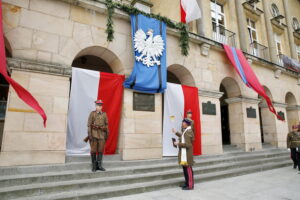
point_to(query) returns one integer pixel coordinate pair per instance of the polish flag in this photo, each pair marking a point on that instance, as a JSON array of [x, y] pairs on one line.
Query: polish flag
[[189, 10], [88, 86], [178, 99]]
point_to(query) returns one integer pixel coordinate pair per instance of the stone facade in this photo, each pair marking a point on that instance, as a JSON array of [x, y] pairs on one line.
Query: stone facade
[[47, 36]]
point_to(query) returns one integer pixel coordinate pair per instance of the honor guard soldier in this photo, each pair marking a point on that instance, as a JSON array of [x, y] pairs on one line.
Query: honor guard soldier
[[185, 154], [97, 135], [292, 145], [189, 115]]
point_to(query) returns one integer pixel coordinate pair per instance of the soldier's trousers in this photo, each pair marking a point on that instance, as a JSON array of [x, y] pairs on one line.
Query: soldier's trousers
[[294, 155], [97, 145], [298, 159], [188, 176]]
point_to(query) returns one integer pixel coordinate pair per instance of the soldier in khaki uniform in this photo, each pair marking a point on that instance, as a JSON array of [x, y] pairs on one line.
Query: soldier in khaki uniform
[[290, 137], [295, 143], [185, 154], [189, 115], [97, 134]]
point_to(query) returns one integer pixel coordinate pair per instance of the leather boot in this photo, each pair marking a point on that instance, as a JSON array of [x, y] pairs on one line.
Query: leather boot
[[99, 161], [93, 156]]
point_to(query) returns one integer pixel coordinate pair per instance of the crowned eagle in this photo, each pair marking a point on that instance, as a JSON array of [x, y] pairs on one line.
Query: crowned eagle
[[150, 48]]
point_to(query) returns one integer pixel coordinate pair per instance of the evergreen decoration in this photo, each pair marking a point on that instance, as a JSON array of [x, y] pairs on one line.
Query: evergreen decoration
[[130, 10]]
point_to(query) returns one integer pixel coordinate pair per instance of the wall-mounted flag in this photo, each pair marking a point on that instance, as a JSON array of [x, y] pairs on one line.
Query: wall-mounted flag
[[149, 44]]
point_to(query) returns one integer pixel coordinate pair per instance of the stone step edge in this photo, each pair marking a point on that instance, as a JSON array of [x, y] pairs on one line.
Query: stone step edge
[[118, 178], [43, 168], [155, 185], [206, 162]]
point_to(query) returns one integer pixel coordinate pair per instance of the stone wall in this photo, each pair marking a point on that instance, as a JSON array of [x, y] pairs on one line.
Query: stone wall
[[57, 32]]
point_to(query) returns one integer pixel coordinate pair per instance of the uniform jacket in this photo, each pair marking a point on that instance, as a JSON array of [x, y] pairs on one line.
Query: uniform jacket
[[99, 120], [189, 138], [293, 139]]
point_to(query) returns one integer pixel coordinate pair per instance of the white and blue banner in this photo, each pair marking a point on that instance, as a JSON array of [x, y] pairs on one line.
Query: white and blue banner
[[149, 73]]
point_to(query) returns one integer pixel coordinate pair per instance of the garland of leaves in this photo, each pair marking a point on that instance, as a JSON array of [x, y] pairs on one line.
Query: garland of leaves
[[184, 35]]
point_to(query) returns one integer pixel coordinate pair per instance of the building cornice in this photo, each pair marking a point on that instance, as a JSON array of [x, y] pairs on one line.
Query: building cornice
[[210, 93], [35, 66], [242, 99]]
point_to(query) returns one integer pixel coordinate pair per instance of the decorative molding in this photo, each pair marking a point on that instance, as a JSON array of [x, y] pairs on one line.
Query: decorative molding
[[242, 99], [278, 104], [277, 73], [205, 49], [251, 7], [34, 66], [295, 107], [143, 5], [210, 93]]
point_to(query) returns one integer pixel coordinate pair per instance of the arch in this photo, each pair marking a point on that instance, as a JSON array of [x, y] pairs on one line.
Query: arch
[[291, 110], [98, 58], [290, 99], [231, 87], [181, 74], [230, 132]]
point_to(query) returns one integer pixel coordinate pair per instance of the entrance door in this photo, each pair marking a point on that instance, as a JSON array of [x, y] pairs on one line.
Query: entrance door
[[225, 124]]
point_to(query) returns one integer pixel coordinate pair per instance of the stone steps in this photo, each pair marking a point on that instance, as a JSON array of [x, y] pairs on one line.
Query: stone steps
[[131, 178]]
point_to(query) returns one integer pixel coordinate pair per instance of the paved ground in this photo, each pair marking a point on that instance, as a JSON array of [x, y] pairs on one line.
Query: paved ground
[[278, 184]]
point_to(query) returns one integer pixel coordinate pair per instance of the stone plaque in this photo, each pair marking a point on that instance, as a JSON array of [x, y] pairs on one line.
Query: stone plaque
[[251, 112], [143, 102], [281, 114], [209, 108]]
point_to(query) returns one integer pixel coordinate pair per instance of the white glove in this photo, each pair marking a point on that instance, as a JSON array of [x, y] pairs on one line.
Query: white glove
[[289, 149]]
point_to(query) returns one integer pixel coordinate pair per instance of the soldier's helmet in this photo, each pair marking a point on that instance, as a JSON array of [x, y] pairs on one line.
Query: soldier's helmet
[[99, 102]]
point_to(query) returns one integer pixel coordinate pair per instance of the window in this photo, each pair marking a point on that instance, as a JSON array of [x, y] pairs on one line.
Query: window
[[295, 24], [278, 47], [274, 10], [253, 36], [218, 20]]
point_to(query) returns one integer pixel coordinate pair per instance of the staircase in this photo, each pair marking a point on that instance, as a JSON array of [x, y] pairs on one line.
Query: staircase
[[74, 180]]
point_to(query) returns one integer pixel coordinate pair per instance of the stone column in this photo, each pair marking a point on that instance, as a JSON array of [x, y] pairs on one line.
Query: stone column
[[290, 29], [281, 126], [200, 22], [25, 140], [242, 31], [268, 125], [140, 131], [244, 131], [270, 35], [211, 131]]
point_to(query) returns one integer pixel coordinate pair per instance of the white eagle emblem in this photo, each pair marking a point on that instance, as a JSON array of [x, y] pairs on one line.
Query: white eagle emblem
[[151, 48]]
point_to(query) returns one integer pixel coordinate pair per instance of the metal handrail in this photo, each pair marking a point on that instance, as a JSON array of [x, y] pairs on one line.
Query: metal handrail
[[224, 36], [259, 50]]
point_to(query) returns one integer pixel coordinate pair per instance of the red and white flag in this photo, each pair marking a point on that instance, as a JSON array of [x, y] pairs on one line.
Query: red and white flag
[[178, 99], [189, 10], [87, 86]]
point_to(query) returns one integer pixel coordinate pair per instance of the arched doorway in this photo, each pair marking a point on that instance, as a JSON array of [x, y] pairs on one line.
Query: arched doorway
[[86, 86], [99, 59], [267, 121], [4, 92], [291, 110], [230, 89], [180, 75]]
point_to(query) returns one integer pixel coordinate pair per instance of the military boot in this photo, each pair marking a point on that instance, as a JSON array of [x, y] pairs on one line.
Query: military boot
[[99, 161], [93, 156]]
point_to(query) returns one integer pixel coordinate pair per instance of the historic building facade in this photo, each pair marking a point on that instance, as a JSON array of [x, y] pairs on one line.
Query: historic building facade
[[45, 38]]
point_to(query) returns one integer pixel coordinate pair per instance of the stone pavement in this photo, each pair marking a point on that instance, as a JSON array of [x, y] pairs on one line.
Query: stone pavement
[[277, 184]]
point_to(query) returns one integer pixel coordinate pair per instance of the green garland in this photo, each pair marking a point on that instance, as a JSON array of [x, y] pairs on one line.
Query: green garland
[[184, 35]]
